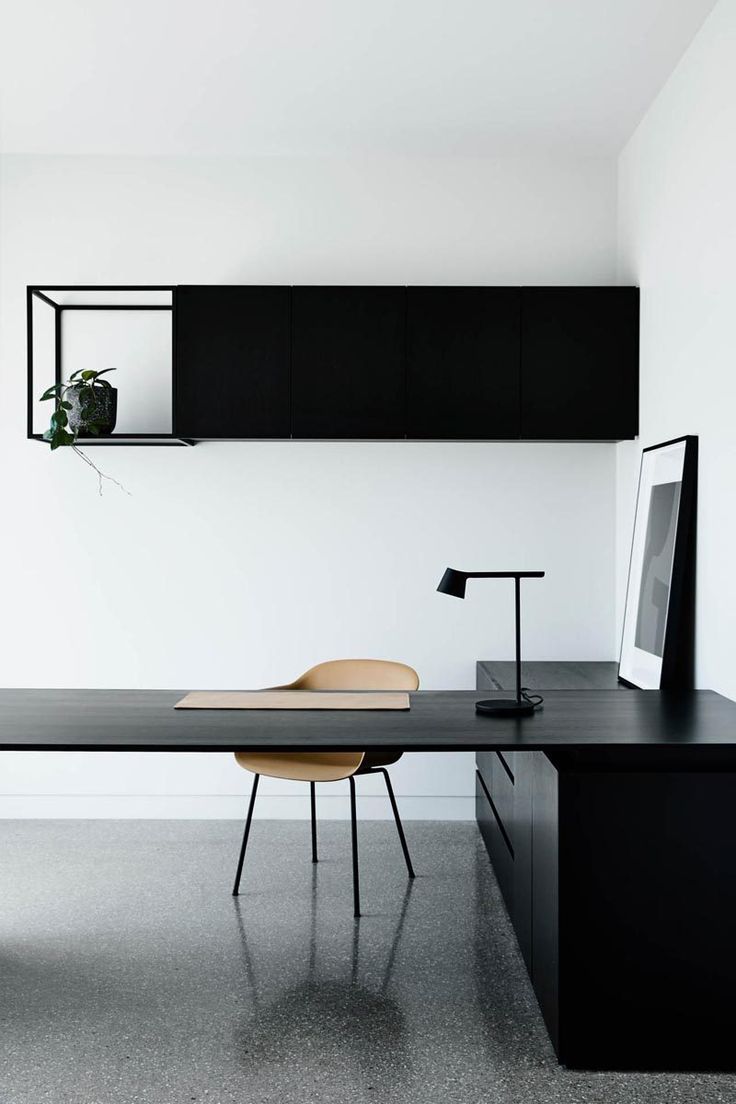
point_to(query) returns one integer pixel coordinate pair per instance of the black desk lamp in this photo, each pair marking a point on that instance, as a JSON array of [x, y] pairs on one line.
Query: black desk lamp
[[453, 582]]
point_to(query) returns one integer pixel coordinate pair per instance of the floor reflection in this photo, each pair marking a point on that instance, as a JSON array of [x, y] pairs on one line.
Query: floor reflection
[[343, 1006], [171, 993]]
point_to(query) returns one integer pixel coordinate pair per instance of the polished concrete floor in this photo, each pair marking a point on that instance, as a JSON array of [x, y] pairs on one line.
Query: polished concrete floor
[[129, 974]]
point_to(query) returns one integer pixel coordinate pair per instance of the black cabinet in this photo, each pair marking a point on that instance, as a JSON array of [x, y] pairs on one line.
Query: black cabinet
[[232, 358], [442, 363], [579, 363], [348, 357], [462, 362], [618, 879]]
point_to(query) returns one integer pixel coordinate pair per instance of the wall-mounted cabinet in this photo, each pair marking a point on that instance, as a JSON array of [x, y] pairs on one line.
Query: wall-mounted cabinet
[[579, 363], [348, 362], [233, 362], [462, 363], [433, 363]]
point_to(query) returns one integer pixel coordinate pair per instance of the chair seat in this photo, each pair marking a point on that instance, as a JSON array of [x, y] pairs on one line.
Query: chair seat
[[311, 766], [373, 759]]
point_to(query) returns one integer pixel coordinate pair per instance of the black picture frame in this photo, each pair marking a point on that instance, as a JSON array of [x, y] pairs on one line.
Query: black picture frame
[[658, 634]]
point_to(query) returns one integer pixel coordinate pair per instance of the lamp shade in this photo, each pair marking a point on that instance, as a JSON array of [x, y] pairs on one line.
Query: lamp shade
[[453, 582]]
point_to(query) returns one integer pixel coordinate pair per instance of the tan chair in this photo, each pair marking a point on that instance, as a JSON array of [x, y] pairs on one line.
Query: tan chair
[[331, 766]]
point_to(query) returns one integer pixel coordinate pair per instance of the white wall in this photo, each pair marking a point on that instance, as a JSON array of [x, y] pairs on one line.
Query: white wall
[[242, 564], [677, 236]]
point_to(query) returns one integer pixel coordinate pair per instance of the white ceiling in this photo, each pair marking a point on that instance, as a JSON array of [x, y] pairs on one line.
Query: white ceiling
[[334, 76]]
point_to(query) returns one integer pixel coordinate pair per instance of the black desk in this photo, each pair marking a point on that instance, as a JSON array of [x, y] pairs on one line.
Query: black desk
[[702, 723], [610, 818]]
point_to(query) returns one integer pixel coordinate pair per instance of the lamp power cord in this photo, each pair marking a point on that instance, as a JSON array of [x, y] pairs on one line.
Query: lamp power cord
[[535, 700]]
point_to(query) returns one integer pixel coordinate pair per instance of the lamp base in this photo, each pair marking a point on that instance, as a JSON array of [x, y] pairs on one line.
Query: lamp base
[[504, 707]]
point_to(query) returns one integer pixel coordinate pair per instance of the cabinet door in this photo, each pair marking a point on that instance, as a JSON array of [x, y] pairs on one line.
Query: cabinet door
[[579, 363], [232, 361], [348, 377], [463, 348]]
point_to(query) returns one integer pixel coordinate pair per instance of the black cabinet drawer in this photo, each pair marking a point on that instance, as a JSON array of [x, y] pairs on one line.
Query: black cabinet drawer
[[498, 848], [502, 790], [462, 362], [509, 760], [348, 362], [232, 362], [499, 782], [580, 363], [511, 858]]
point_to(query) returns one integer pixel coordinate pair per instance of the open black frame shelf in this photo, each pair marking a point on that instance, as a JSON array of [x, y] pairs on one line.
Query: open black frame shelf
[[42, 292]]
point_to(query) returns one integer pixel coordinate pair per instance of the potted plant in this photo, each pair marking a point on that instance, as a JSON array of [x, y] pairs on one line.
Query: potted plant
[[84, 404]]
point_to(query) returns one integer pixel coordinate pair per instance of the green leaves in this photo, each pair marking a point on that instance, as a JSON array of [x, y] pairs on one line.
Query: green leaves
[[82, 384], [58, 437], [89, 376], [59, 419]]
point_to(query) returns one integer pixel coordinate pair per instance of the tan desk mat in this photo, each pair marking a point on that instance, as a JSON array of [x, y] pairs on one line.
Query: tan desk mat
[[292, 699]]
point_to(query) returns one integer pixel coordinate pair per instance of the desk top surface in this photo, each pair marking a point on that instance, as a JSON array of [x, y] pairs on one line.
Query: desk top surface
[[145, 720]]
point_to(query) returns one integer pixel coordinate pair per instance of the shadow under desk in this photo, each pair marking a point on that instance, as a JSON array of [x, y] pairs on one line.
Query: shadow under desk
[[618, 871]]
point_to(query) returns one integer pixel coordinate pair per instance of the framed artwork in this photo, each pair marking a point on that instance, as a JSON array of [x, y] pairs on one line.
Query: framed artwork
[[657, 645]]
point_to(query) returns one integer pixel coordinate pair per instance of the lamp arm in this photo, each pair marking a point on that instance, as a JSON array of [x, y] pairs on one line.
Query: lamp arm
[[503, 574]]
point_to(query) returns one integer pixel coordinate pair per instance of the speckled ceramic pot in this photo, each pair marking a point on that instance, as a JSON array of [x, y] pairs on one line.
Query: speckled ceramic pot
[[100, 410]]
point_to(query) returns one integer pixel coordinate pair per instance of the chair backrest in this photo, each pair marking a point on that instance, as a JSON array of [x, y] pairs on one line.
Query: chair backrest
[[357, 674]]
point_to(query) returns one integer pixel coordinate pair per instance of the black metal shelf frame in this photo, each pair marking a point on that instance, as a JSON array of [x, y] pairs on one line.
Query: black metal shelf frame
[[40, 292]]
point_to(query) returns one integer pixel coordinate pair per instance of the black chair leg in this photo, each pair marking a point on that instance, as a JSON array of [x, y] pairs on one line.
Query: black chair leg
[[397, 818], [354, 833], [313, 802], [246, 833]]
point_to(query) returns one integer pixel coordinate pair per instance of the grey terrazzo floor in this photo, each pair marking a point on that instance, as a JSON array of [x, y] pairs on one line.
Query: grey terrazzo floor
[[130, 975]]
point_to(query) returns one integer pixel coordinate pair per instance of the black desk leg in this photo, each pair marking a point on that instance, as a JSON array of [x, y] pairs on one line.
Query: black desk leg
[[397, 818], [246, 833]]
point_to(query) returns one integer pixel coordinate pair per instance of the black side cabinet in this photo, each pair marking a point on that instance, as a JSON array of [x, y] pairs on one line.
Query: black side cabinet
[[348, 377], [232, 361], [579, 363], [619, 880], [463, 349]]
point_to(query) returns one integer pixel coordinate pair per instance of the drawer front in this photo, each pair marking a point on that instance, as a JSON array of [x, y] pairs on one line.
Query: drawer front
[[502, 792], [510, 760], [498, 849], [498, 779]]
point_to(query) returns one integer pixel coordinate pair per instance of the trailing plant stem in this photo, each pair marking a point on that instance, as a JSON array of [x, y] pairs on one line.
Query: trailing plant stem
[[100, 474]]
